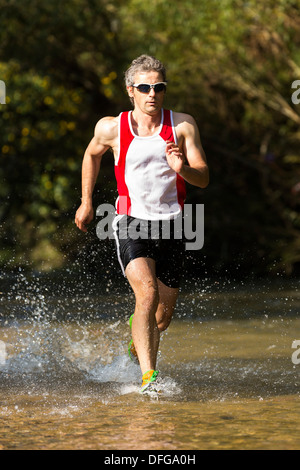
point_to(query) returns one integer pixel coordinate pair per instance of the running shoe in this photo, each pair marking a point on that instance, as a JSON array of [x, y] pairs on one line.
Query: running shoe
[[149, 384], [131, 349]]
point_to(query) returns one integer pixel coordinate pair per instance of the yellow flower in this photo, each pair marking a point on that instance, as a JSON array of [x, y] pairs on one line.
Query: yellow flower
[[48, 100], [112, 75], [105, 80], [48, 184], [25, 132], [71, 126], [5, 149]]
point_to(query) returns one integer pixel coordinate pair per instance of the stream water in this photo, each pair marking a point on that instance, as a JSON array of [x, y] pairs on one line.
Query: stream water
[[229, 368]]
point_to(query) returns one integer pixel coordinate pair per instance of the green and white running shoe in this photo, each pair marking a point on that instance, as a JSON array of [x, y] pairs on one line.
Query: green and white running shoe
[[149, 384]]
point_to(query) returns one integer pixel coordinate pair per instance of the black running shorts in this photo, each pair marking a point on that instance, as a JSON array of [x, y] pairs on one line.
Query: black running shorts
[[136, 238]]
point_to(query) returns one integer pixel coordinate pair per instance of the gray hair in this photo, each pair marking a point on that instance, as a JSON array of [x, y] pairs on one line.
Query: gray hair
[[144, 63]]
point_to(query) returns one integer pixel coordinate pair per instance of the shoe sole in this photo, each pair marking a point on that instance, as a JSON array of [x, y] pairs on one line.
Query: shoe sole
[[150, 389]]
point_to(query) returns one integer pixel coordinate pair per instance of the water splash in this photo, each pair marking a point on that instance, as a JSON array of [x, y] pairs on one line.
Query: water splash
[[55, 334], [54, 327]]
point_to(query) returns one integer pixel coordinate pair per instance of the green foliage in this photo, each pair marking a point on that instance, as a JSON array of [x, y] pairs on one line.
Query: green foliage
[[230, 63], [53, 61]]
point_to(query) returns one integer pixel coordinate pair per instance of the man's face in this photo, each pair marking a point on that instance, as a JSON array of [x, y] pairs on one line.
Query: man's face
[[149, 103]]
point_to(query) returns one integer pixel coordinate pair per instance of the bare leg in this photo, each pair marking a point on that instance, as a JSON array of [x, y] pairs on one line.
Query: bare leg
[[155, 304], [145, 334]]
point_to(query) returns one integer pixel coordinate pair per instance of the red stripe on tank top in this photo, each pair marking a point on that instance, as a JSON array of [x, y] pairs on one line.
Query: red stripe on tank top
[[167, 133], [125, 139]]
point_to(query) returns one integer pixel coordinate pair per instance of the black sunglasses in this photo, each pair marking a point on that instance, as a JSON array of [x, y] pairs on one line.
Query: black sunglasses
[[146, 87]]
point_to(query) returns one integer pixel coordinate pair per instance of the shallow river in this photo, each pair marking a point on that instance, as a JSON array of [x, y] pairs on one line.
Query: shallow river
[[229, 374]]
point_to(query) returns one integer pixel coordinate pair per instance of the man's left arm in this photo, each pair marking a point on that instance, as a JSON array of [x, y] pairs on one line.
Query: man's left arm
[[196, 172]]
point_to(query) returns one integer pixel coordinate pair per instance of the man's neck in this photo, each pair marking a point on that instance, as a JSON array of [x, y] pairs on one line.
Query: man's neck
[[146, 123]]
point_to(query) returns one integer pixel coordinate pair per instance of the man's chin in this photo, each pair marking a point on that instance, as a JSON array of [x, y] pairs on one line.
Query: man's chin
[[152, 108]]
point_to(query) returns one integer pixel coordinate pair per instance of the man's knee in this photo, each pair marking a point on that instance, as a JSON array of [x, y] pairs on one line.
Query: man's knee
[[148, 299]]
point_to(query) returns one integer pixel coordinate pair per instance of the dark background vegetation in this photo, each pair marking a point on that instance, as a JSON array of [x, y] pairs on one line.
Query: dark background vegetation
[[231, 64]]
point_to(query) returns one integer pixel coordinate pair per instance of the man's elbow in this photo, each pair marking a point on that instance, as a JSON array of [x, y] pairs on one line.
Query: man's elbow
[[204, 179]]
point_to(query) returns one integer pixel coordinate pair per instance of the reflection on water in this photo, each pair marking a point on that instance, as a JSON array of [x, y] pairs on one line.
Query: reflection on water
[[227, 374]]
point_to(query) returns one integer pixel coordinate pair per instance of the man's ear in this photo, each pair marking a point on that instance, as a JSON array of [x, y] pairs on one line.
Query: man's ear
[[130, 91]]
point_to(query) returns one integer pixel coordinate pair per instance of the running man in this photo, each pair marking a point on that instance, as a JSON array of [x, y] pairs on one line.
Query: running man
[[155, 152]]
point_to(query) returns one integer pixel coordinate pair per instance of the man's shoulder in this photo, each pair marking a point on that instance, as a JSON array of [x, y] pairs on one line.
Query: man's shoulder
[[181, 118], [107, 123], [107, 128], [184, 123]]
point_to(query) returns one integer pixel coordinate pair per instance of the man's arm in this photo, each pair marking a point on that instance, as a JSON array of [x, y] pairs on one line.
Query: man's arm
[[196, 172], [104, 135]]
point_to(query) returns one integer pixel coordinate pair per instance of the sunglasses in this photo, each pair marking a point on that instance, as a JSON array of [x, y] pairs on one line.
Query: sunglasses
[[146, 87]]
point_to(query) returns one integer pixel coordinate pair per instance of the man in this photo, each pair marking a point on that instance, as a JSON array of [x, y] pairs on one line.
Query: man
[[155, 152]]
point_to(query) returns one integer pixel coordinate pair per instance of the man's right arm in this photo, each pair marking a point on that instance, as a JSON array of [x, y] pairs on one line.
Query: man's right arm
[[105, 133]]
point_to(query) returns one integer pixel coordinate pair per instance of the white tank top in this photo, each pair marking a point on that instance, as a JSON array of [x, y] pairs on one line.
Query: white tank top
[[148, 188]]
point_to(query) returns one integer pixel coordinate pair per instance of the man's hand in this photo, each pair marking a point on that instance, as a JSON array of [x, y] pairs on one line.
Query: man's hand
[[175, 158], [84, 216]]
